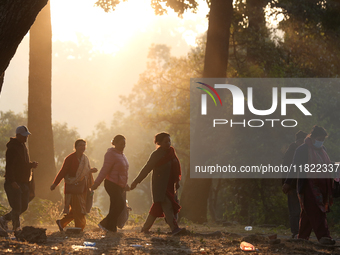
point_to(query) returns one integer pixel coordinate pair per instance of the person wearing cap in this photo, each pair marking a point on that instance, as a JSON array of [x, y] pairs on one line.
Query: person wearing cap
[[292, 197], [18, 174]]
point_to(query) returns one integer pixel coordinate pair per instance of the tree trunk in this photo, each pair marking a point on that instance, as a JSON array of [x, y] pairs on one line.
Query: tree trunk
[[211, 202], [217, 48], [39, 105], [194, 199], [196, 192], [16, 18], [2, 77]]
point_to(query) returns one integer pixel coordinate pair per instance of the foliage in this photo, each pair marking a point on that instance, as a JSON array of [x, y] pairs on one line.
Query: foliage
[[45, 212], [64, 139], [186, 222], [94, 216], [158, 5], [136, 219], [252, 52], [309, 48], [42, 211], [311, 32], [9, 121], [3, 209]]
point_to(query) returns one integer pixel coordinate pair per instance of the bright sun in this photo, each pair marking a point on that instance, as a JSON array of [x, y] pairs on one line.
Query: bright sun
[[108, 32]]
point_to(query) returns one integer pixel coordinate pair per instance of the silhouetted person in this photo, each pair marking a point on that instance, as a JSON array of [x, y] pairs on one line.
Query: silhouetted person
[[315, 194], [17, 177], [293, 200], [166, 174], [115, 172], [76, 169]]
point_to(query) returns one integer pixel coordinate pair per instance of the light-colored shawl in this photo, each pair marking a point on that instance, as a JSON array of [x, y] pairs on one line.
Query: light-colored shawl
[[78, 202]]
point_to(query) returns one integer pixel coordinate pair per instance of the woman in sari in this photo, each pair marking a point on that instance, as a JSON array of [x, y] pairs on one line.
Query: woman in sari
[[165, 179], [76, 172], [315, 194]]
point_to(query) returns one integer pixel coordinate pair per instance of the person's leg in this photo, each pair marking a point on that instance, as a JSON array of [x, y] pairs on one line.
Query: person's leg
[[294, 212], [14, 200], [78, 203], [305, 227], [80, 220], [148, 223], [316, 217], [67, 219], [116, 205], [320, 225], [169, 214], [177, 201], [7, 216], [24, 197], [104, 222]]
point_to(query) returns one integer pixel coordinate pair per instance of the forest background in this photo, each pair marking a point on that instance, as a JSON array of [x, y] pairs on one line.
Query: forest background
[[306, 47]]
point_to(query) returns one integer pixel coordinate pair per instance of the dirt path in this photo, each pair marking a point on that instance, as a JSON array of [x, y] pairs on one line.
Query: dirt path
[[198, 240]]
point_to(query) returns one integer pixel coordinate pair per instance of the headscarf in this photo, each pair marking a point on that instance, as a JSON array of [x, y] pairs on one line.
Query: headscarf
[[176, 171]]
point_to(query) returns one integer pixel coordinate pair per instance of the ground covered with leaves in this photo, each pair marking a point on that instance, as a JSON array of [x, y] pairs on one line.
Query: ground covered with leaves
[[197, 239]]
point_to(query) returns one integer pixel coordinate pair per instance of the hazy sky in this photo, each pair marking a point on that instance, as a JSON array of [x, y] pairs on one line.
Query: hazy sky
[[98, 56]]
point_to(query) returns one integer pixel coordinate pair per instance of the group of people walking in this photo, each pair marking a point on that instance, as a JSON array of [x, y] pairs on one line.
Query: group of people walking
[[80, 184], [309, 199]]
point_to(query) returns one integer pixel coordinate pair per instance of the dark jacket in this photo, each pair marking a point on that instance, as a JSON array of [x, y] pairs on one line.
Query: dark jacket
[[17, 162], [69, 167], [287, 160], [289, 155], [160, 175], [300, 158]]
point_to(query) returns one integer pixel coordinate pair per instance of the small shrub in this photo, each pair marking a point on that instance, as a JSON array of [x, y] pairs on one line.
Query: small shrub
[[42, 212]]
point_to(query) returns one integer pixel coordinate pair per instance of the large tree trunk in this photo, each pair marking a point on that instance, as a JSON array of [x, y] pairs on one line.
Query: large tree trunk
[[217, 48], [16, 18], [39, 105], [196, 192]]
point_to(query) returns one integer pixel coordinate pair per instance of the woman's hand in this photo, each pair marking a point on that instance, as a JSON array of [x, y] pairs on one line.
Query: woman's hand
[[53, 187], [127, 188], [94, 186], [94, 170]]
